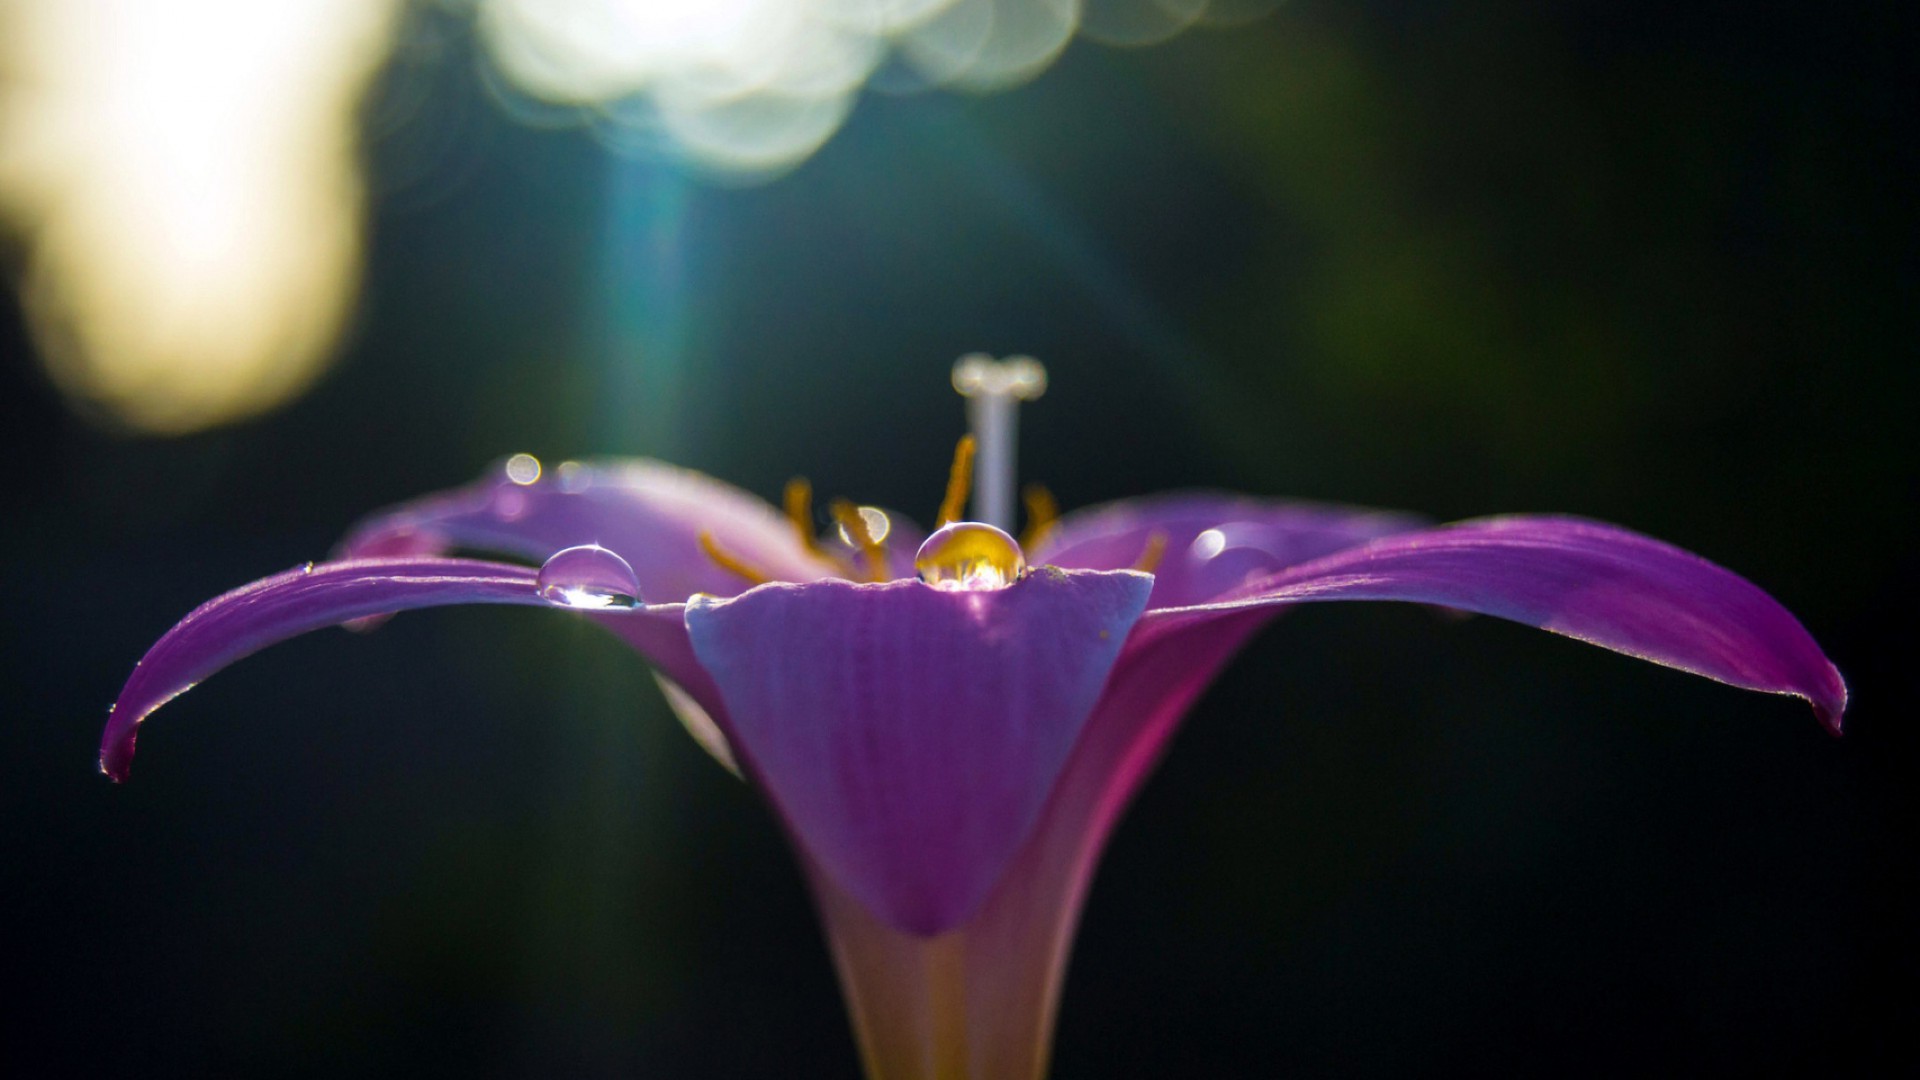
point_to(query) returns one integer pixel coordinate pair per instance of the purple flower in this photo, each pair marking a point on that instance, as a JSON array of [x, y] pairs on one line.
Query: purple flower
[[948, 734]]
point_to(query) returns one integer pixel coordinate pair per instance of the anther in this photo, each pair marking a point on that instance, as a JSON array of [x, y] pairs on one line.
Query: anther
[[959, 482], [1155, 550], [729, 562], [1042, 511], [799, 504]]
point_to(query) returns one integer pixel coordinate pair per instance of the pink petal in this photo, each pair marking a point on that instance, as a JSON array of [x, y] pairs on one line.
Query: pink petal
[[271, 610], [1212, 542], [1009, 957], [909, 736], [1590, 581], [648, 512]]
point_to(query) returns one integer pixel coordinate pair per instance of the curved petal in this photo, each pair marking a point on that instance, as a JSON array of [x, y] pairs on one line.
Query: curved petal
[[1584, 579], [908, 735], [271, 610], [1212, 542], [650, 513], [1010, 955]]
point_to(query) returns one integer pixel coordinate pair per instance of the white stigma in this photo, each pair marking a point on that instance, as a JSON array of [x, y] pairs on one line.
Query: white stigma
[[994, 390]]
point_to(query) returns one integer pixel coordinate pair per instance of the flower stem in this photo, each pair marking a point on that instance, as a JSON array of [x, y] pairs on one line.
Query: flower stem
[[947, 1000]]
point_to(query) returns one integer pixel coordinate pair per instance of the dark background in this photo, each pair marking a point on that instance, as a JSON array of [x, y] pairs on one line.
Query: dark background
[[1643, 261]]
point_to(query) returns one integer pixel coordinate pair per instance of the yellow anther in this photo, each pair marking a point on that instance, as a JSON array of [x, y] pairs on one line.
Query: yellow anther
[[959, 482], [1042, 511], [799, 502], [729, 562], [854, 524], [1155, 550]]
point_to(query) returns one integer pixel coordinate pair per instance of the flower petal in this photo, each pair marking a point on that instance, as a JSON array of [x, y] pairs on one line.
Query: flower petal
[[648, 512], [310, 597], [1212, 542], [1584, 579], [1012, 952], [909, 736]]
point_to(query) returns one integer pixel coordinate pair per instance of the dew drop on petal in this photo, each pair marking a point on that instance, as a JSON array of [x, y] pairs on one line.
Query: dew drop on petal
[[877, 522], [523, 469], [588, 577], [968, 555]]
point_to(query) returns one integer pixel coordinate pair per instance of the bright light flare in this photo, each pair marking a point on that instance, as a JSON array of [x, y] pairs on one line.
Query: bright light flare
[[185, 176], [752, 87]]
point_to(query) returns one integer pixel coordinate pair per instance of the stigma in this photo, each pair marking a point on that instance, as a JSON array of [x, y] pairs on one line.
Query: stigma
[[994, 390], [968, 556]]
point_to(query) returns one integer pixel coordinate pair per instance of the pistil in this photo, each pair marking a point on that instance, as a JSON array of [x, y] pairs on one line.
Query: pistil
[[994, 389]]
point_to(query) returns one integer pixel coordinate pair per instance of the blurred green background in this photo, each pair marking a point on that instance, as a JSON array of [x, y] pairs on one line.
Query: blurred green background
[[1641, 261]]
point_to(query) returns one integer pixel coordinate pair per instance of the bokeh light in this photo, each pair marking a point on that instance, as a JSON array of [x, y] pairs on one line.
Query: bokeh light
[[184, 177], [746, 89]]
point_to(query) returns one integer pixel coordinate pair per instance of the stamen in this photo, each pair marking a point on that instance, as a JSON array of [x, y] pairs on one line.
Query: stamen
[[1156, 550], [799, 503], [854, 524], [993, 390], [729, 562], [959, 480], [1042, 511]]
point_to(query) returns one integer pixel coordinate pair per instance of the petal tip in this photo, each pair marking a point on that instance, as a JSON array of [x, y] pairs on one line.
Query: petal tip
[[1831, 709], [116, 760]]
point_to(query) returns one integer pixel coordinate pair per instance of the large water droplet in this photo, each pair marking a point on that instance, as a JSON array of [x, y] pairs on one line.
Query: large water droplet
[[589, 577], [967, 555]]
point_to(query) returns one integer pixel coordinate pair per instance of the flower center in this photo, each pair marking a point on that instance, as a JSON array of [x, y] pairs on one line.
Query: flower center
[[968, 555], [976, 554]]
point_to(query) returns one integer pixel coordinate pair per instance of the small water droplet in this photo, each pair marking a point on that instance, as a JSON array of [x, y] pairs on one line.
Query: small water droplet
[[523, 469], [968, 555], [877, 522], [589, 577]]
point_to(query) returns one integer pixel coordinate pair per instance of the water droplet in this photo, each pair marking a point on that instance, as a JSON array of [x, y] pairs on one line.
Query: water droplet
[[589, 577], [523, 469], [967, 555], [1209, 543], [877, 522]]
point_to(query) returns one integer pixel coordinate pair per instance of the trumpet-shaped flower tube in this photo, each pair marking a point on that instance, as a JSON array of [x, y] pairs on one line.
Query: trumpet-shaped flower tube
[[949, 747]]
